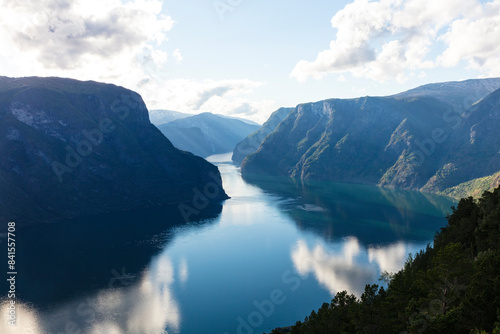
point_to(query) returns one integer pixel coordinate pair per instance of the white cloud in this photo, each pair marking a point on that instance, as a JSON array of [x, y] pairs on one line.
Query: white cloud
[[116, 41], [85, 39], [177, 56], [226, 97], [431, 14], [475, 39], [398, 39]]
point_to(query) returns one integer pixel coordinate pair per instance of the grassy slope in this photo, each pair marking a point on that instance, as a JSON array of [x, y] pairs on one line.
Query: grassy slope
[[474, 187]]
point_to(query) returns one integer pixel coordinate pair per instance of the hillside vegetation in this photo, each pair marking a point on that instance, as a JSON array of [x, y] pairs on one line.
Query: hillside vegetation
[[450, 287]]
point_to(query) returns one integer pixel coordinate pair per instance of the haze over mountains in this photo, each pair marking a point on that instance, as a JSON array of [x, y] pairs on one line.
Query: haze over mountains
[[71, 148], [162, 116], [207, 134], [431, 138]]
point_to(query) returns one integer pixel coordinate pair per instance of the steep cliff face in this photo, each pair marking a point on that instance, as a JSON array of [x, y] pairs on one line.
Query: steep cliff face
[[420, 140], [474, 150], [252, 142], [70, 148]]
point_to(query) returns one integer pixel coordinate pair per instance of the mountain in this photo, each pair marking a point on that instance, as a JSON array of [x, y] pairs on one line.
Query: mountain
[[474, 147], [244, 120], [161, 116], [460, 94], [474, 188], [252, 142], [71, 148], [421, 139], [206, 134], [187, 139]]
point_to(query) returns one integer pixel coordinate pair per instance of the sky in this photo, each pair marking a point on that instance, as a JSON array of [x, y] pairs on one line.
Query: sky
[[247, 58]]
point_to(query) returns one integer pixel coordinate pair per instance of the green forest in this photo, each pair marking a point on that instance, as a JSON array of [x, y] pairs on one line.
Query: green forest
[[452, 286]]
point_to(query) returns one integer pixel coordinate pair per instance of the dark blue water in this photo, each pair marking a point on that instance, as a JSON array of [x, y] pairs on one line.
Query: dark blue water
[[265, 258]]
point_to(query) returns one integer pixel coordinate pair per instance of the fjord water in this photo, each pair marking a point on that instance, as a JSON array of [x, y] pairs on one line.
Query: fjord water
[[268, 256]]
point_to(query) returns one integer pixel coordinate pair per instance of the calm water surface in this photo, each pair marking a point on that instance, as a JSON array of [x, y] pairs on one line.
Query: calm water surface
[[265, 258]]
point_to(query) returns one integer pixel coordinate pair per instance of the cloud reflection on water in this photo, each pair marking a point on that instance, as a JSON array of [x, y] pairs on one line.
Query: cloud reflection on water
[[336, 271], [146, 307], [389, 258], [347, 264]]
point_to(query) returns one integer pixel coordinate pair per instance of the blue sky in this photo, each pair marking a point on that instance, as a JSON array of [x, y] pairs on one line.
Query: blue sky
[[249, 57]]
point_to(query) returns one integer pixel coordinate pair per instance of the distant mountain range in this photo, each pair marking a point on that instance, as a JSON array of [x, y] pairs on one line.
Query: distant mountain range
[[440, 138], [207, 134], [71, 148], [162, 116]]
